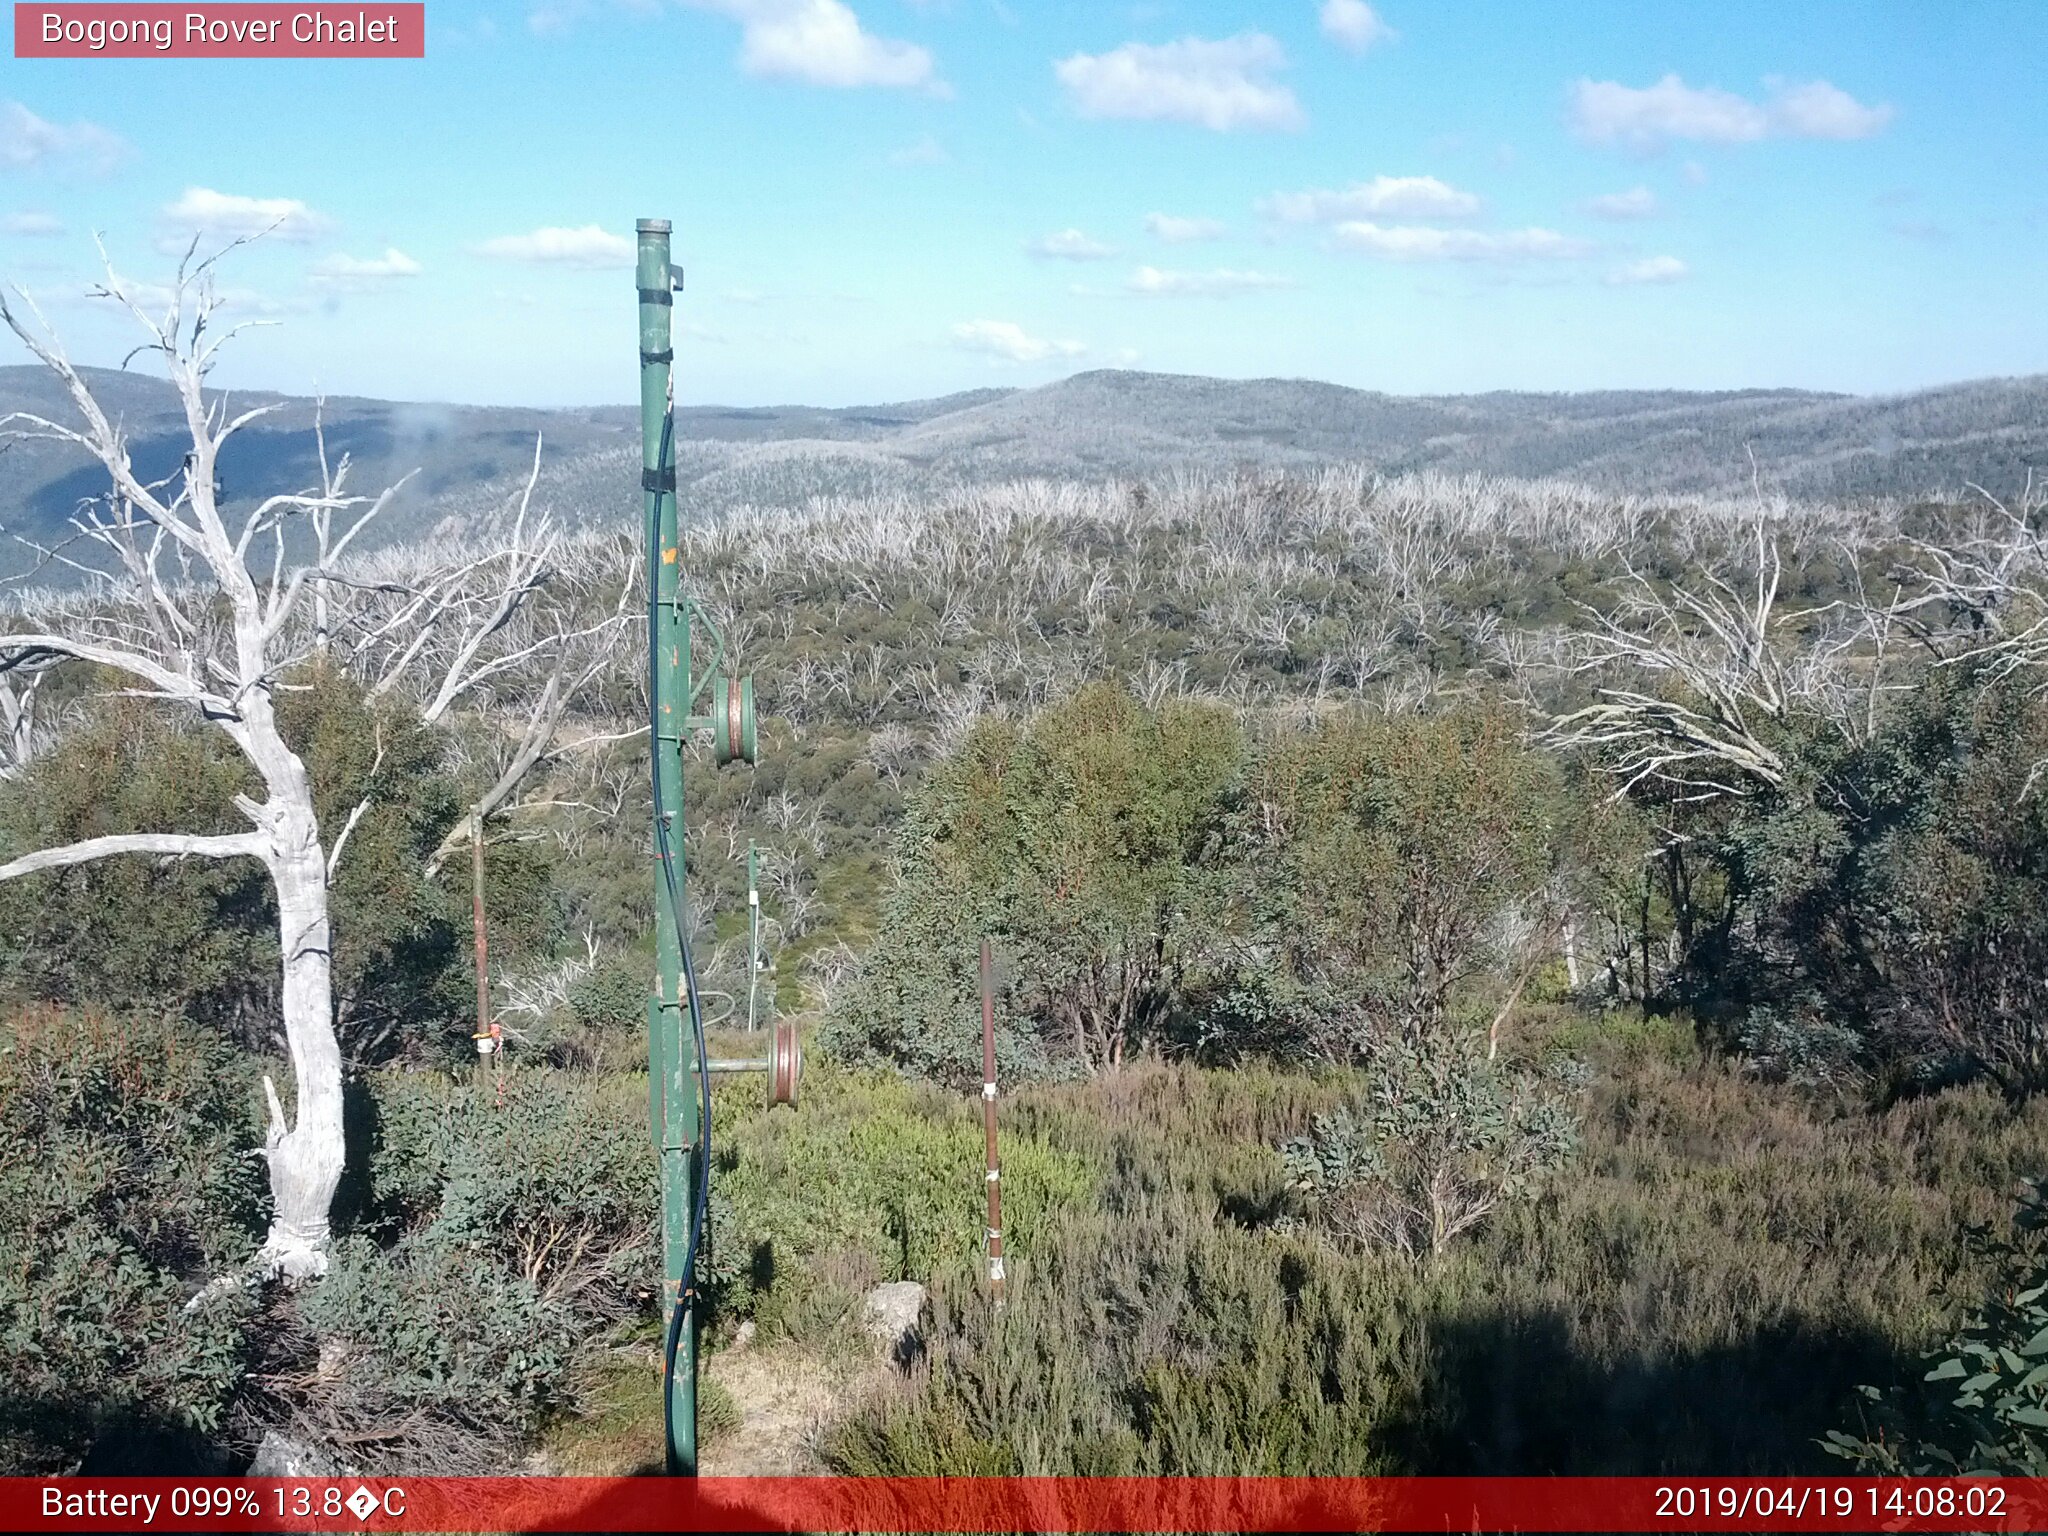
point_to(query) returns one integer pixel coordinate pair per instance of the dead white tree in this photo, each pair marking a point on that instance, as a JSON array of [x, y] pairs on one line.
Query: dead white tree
[[1699, 683], [184, 619], [21, 727], [1983, 593], [1713, 653], [210, 618]]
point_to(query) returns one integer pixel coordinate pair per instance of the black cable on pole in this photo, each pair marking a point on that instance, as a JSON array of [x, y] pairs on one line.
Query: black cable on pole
[[700, 1206]]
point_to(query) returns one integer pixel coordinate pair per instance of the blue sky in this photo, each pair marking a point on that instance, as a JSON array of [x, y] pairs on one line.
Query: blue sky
[[888, 199]]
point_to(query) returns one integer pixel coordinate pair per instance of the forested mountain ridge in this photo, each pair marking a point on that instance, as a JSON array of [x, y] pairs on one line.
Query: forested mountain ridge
[[1106, 424]]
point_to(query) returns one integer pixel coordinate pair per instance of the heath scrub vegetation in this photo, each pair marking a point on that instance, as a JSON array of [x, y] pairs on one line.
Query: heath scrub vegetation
[[1492, 978], [1376, 1265]]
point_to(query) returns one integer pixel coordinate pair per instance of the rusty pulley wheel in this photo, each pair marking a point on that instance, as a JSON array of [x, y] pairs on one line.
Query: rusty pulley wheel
[[732, 720], [785, 1066]]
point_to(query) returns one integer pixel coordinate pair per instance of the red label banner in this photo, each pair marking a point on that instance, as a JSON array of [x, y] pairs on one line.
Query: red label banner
[[234, 31], [1191, 1504]]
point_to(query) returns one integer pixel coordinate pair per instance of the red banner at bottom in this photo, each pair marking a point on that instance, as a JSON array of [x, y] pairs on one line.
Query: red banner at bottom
[[1025, 1504]]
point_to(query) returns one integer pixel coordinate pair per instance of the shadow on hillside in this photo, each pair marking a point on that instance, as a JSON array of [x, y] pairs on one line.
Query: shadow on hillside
[[1513, 1395], [258, 461]]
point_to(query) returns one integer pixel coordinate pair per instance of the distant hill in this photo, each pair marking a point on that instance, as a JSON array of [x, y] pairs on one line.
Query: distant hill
[[1094, 425], [1809, 444]]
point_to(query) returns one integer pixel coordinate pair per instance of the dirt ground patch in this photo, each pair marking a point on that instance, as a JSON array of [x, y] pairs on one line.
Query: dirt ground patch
[[784, 1396]]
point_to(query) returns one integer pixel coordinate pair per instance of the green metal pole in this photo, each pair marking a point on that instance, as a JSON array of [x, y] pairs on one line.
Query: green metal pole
[[672, 1084]]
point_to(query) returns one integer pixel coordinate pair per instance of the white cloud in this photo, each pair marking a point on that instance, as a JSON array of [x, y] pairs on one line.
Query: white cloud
[[1354, 25], [1179, 231], [1918, 229], [203, 211], [35, 225], [1219, 84], [1608, 112], [29, 142], [1217, 284], [1009, 341], [1651, 269], [591, 246], [1818, 110], [1417, 242], [548, 17], [1415, 197], [1646, 118], [926, 151], [352, 272], [1071, 245], [1635, 203], [821, 42]]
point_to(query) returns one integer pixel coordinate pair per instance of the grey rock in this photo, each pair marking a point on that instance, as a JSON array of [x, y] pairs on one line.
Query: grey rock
[[281, 1456], [893, 1311]]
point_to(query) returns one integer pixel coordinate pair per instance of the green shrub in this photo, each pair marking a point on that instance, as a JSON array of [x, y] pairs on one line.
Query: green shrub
[[430, 1336], [1884, 912], [1796, 1042], [1981, 1409], [872, 1180], [1082, 844], [134, 933], [1166, 1325], [1388, 869], [1150, 882], [1725, 1261], [200, 935], [1149, 1342], [612, 995], [1442, 1136], [127, 1179], [502, 1248], [557, 1186]]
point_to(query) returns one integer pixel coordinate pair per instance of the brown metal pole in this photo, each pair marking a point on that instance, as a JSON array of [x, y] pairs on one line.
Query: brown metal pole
[[486, 1046], [988, 1124]]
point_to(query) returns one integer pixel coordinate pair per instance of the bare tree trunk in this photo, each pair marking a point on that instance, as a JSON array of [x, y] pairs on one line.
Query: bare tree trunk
[[306, 1158], [306, 1154]]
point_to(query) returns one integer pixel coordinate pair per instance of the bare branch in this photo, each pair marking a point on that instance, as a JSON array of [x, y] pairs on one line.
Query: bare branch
[[177, 845], [1724, 677], [31, 649]]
